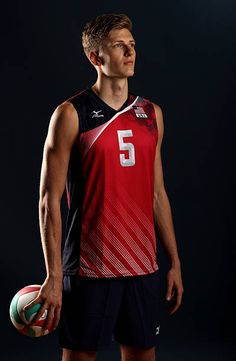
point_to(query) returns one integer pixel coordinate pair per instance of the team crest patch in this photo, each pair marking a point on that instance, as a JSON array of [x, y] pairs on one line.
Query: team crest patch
[[139, 112]]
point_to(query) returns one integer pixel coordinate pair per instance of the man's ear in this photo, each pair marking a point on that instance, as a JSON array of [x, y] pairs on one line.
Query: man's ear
[[95, 58]]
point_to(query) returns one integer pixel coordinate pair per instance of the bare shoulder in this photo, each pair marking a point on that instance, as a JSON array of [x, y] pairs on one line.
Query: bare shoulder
[[159, 120], [63, 125], [157, 107], [65, 115], [66, 106]]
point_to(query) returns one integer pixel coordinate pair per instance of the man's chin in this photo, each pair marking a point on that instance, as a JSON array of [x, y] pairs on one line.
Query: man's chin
[[132, 74], [129, 73]]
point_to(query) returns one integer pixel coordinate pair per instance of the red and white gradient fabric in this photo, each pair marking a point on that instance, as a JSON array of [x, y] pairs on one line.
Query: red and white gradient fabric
[[118, 235]]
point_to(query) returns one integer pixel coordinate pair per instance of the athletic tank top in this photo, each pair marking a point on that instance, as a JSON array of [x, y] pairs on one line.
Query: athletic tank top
[[110, 188]]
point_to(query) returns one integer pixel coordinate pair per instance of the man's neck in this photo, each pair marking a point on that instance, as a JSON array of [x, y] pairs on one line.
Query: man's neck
[[112, 91]]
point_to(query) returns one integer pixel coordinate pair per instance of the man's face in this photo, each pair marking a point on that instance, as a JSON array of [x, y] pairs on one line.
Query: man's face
[[117, 54]]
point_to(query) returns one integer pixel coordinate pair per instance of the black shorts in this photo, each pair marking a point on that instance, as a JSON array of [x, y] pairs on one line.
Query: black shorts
[[96, 311]]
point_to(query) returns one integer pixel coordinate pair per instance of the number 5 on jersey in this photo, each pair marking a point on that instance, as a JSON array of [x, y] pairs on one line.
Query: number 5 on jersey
[[130, 161]]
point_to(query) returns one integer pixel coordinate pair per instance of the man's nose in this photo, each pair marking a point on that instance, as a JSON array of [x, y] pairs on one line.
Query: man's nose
[[129, 49]]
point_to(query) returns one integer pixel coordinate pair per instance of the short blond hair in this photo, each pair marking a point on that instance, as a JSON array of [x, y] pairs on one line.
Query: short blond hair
[[97, 29]]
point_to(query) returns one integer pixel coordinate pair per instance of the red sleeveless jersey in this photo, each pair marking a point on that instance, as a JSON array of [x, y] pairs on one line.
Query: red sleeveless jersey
[[110, 226]]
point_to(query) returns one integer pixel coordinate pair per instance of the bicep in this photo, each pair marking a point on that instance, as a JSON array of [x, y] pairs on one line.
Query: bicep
[[62, 134], [158, 170]]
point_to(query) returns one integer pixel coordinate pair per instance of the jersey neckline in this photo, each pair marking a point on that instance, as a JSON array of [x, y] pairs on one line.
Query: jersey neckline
[[103, 103]]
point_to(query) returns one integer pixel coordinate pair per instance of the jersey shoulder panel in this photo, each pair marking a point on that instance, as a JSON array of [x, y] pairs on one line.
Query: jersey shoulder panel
[[81, 104]]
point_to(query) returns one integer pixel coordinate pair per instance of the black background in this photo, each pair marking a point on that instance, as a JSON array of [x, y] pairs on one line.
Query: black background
[[186, 64]]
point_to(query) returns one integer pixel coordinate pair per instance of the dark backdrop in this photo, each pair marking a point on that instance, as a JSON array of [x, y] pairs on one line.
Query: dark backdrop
[[186, 64]]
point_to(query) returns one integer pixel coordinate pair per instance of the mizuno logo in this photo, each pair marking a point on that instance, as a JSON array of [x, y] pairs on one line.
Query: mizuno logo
[[96, 115], [157, 330]]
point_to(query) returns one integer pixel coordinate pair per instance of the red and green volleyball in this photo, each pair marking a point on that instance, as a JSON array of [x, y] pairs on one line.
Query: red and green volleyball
[[21, 319]]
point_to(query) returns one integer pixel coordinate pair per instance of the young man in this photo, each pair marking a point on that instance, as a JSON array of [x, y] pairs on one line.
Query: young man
[[104, 146]]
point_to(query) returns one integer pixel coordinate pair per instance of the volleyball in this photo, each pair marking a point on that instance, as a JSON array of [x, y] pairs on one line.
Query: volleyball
[[21, 319]]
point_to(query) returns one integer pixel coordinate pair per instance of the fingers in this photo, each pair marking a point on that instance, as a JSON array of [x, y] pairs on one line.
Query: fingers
[[49, 319], [49, 302], [170, 291], [174, 289], [53, 318], [40, 313], [176, 302], [56, 317], [50, 313], [26, 309]]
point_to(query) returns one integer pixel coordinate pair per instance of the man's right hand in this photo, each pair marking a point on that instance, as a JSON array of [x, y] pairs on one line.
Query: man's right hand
[[50, 298]]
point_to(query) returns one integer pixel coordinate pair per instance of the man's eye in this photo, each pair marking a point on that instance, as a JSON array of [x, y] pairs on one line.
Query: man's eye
[[121, 45]]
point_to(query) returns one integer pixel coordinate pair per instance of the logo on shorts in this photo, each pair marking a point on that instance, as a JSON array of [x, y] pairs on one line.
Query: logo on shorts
[[158, 329]]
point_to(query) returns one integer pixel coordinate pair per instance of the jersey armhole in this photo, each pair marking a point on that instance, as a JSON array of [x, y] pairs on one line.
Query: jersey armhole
[[78, 115], [154, 113]]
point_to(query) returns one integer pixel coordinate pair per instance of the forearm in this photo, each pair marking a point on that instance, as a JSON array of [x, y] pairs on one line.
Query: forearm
[[51, 231], [165, 227]]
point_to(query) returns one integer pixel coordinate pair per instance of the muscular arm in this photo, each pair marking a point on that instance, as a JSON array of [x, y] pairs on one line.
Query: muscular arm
[[62, 134], [163, 218], [161, 204]]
